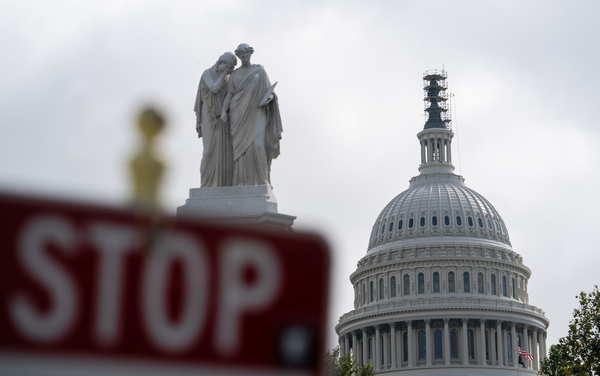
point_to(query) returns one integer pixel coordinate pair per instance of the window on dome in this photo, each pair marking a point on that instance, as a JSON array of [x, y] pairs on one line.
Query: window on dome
[[466, 283], [436, 282], [391, 226], [405, 347], [471, 344], [458, 220], [490, 224], [393, 286], [422, 345], [371, 292], [451, 284], [437, 344], [514, 295], [493, 277], [380, 288], [364, 297], [496, 224], [406, 285], [434, 220], [382, 229], [509, 343], [400, 224], [422, 222], [447, 221], [480, 221], [470, 221], [504, 285], [454, 344], [421, 280], [480, 283], [411, 223]]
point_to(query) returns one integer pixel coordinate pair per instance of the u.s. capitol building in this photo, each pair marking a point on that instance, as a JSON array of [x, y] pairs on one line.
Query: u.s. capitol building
[[440, 290]]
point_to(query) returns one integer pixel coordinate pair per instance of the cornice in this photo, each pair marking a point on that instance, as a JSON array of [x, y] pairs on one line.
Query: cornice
[[359, 315]]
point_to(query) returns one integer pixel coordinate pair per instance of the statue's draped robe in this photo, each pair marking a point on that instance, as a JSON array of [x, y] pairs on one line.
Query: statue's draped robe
[[255, 131], [216, 166]]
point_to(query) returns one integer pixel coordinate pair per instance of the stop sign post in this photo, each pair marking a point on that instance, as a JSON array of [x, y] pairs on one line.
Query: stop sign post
[[89, 289]]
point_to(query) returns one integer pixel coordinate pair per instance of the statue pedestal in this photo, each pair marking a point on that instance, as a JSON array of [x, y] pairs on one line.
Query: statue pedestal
[[251, 205]]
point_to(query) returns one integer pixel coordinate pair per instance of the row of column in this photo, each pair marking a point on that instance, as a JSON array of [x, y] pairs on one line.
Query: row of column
[[497, 344], [430, 145]]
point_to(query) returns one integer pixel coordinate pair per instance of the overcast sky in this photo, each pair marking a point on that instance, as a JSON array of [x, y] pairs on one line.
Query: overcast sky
[[525, 77]]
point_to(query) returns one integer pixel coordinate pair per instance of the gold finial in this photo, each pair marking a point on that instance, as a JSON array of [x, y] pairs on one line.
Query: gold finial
[[145, 166]]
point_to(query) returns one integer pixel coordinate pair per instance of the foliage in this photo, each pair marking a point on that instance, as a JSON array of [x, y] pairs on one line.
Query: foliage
[[336, 365], [579, 352]]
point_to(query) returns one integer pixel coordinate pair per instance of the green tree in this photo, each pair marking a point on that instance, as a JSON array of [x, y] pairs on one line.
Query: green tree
[[336, 365], [579, 352]]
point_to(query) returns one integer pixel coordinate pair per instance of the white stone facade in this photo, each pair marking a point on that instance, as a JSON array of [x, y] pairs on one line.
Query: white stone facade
[[441, 291]]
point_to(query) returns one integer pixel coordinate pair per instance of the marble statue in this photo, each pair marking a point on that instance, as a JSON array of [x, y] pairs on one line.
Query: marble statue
[[252, 109], [217, 157], [237, 115]]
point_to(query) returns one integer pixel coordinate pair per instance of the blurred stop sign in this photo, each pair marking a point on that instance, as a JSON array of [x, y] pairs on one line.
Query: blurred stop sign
[[90, 290]]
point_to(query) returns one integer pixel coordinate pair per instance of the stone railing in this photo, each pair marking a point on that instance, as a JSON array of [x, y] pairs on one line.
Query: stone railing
[[424, 252]]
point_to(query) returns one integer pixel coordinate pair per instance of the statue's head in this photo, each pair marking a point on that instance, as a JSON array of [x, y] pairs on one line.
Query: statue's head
[[226, 61], [244, 49], [228, 58]]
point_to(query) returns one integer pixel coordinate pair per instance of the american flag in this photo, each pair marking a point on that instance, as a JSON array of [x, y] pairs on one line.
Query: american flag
[[527, 355]]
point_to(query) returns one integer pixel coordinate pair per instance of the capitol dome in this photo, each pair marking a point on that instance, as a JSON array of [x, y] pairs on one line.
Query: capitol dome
[[438, 206], [440, 290]]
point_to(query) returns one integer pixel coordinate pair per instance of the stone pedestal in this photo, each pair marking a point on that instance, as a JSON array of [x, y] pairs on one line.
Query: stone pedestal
[[251, 205]]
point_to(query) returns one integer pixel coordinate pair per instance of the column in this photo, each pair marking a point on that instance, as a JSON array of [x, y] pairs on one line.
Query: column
[[541, 345], [393, 344], [446, 342], [386, 350], [422, 152], [525, 345], [365, 349], [515, 349], [442, 149], [499, 342], [492, 345], [346, 343], [428, 342], [341, 346], [449, 151], [431, 149], [464, 349], [355, 347], [377, 341], [482, 348], [505, 345], [411, 346], [534, 348]]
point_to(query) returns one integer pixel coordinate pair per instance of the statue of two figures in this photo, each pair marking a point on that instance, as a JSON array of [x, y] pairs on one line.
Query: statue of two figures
[[237, 116]]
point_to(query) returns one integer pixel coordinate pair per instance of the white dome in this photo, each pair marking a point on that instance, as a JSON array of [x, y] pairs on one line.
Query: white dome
[[441, 291], [438, 205]]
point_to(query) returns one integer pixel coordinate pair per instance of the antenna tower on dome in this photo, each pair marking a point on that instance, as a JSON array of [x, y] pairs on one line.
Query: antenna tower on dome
[[437, 108]]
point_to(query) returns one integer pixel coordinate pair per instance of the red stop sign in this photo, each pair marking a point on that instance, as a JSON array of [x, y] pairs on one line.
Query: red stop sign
[[99, 290]]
